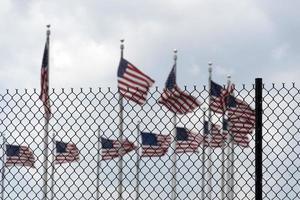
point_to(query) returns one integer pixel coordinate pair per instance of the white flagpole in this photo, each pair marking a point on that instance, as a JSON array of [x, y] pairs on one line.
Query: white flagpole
[[231, 194], [46, 128], [223, 165], [53, 150], [174, 158], [228, 161], [230, 157], [3, 166], [138, 159], [209, 179], [99, 158], [52, 168], [203, 157], [173, 144], [120, 161]]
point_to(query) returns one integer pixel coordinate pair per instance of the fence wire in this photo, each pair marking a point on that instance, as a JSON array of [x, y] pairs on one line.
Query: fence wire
[[80, 117]]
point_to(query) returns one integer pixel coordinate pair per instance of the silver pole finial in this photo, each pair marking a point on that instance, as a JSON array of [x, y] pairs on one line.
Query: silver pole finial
[[122, 44], [122, 47], [48, 29], [175, 54], [228, 77], [210, 66]]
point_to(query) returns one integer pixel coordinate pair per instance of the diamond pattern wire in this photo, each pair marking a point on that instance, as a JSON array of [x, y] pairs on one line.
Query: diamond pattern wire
[[80, 116]]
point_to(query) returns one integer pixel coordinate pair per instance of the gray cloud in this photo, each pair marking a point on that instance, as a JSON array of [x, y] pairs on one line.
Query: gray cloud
[[249, 37]]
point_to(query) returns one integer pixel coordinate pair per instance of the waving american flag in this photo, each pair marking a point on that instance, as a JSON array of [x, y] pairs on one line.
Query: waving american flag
[[133, 84], [219, 96], [187, 141], [175, 99], [19, 155], [44, 95], [114, 148], [154, 144], [66, 153]]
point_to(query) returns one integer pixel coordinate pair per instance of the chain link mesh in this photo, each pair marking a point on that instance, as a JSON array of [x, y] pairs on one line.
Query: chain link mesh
[[79, 116]]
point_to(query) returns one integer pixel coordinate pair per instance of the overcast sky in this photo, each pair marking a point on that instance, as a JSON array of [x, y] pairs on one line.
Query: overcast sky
[[246, 39]]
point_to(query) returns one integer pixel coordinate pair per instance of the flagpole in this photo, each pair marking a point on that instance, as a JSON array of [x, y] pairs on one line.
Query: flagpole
[[209, 133], [138, 159], [3, 166], [223, 163], [231, 195], [46, 128], [230, 157], [53, 150], [120, 161], [174, 158], [173, 142], [203, 156], [228, 162], [99, 154], [52, 168], [225, 151]]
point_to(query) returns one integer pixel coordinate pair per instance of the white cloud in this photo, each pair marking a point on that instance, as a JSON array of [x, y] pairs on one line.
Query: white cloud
[[87, 35], [285, 75], [280, 52]]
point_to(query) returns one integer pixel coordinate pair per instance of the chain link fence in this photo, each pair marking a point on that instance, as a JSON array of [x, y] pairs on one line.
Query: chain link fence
[[80, 117]]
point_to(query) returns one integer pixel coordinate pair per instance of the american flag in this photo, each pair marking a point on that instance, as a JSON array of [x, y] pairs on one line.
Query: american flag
[[241, 125], [154, 145], [218, 97], [241, 140], [187, 141], [175, 99], [217, 137], [66, 153], [241, 130], [240, 135], [240, 110], [44, 96], [133, 84], [113, 148], [19, 155]]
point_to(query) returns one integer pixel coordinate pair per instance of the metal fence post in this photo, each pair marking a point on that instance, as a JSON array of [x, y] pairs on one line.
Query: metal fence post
[[258, 139]]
